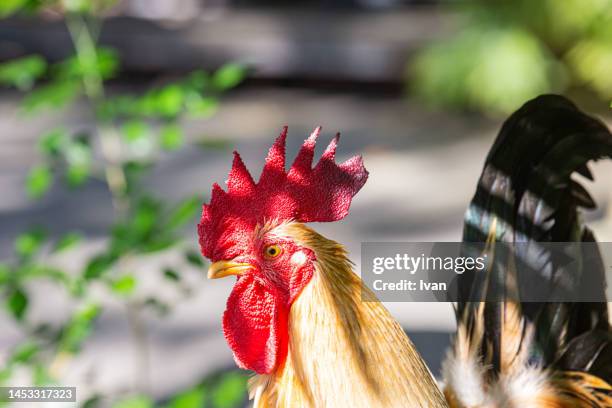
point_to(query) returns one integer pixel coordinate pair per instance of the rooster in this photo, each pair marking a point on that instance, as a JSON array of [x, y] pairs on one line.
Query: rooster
[[315, 336], [511, 353], [298, 316]]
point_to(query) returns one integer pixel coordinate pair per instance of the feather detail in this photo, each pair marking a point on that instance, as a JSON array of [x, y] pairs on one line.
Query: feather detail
[[580, 389], [345, 348], [546, 354]]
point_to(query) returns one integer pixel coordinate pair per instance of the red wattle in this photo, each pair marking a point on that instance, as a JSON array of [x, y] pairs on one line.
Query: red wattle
[[255, 325]]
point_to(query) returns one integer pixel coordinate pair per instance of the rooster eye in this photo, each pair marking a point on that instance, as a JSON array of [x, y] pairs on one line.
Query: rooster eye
[[272, 251]]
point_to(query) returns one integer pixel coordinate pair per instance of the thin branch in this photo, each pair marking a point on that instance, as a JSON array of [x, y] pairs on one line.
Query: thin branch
[[84, 36]]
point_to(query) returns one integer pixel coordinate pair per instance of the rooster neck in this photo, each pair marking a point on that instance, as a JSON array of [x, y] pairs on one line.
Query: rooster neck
[[345, 349]]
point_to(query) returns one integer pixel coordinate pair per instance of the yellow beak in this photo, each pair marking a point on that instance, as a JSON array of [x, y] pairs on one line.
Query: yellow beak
[[221, 269]]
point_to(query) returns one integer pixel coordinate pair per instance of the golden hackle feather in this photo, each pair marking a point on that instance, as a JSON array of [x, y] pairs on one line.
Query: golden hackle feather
[[345, 348], [580, 389], [515, 332]]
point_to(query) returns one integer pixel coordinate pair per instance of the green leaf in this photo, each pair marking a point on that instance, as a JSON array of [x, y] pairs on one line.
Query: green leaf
[[134, 170], [76, 175], [33, 6], [124, 286], [194, 258], [79, 157], [76, 287], [41, 375], [171, 137], [230, 392], [32, 271], [68, 241], [104, 63], [139, 401], [39, 181], [146, 216], [78, 151], [24, 353], [54, 96], [93, 402], [228, 76], [145, 229], [17, 303], [79, 328], [160, 308], [134, 130], [29, 243], [169, 101], [5, 274], [8, 7], [5, 374], [184, 212], [144, 106], [201, 106], [74, 336], [158, 244], [197, 80], [52, 143], [108, 62], [122, 239], [114, 107], [88, 312], [171, 275], [21, 73], [192, 398], [98, 265]]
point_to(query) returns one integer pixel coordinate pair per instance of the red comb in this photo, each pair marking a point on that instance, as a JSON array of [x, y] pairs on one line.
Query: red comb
[[304, 193]]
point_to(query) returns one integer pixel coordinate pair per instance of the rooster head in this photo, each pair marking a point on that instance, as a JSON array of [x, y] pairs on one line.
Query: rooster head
[[241, 232]]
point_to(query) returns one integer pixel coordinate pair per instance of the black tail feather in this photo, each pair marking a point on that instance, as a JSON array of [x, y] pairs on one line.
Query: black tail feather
[[527, 189]]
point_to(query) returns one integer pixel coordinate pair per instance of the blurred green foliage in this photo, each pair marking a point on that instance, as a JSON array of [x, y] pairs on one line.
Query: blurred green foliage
[[23, 72], [506, 52], [226, 390], [130, 133]]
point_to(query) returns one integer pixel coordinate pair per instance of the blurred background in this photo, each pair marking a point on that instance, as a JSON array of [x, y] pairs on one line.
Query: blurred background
[[117, 116]]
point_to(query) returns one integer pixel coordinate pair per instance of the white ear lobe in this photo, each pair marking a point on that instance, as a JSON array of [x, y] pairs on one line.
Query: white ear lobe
[[298, 259]]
